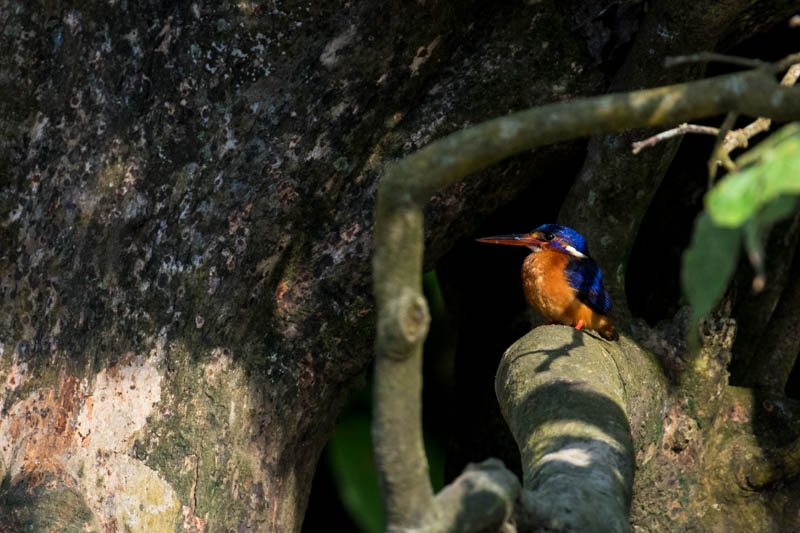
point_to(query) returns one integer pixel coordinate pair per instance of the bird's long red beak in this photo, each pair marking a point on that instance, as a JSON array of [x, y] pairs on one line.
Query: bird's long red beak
[[520, 239]]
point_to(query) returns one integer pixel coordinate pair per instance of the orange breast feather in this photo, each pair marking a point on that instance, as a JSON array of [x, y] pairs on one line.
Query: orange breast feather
[[548, 291]]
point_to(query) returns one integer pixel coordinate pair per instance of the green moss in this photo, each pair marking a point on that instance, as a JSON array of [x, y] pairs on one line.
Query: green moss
[[45, 508], [296, 258], [341, 164], [198, 447], [684, 492]]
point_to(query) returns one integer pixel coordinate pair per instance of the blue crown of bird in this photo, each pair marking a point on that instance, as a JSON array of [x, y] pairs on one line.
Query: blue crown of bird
[[561, 280]]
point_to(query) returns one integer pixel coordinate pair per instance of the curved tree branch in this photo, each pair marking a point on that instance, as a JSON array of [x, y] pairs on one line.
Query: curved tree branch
[[408, 184], [561, 393]]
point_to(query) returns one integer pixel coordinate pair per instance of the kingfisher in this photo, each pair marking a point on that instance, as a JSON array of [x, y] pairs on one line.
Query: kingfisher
[[561, 280]]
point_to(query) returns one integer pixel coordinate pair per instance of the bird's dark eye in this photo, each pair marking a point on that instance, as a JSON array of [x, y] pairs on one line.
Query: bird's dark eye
[[549, 236]]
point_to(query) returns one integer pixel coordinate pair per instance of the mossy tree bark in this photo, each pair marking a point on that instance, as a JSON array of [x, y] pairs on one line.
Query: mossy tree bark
[[186, 199]]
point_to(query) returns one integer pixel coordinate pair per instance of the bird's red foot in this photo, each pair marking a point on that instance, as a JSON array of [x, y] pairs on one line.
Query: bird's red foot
[[579, 325]]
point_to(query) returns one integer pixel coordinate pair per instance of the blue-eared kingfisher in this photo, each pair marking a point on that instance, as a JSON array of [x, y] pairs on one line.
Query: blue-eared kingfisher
[[561, 280]]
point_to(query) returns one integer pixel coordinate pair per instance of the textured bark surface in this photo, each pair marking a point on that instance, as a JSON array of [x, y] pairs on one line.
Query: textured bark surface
[[185, 237], [716, 443], [561, 392], [186, 196]]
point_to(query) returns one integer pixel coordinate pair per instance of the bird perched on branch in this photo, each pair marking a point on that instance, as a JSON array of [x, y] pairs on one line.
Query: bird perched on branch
[[561, 280]]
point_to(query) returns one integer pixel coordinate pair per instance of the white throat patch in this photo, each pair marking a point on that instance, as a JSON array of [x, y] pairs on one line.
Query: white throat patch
[[573, 251]]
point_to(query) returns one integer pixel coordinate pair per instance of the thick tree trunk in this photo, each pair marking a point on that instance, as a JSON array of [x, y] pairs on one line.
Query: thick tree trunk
[[186, 198]]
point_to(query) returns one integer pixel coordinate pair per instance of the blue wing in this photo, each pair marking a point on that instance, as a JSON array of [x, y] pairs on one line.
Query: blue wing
[[585, 277]]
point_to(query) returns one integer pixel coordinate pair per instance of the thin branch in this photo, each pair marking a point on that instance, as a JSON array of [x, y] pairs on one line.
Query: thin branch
[[734, 139], [708, 57], [718, 155], [740, 138], [786, 62], [791, 76], [683, 129]]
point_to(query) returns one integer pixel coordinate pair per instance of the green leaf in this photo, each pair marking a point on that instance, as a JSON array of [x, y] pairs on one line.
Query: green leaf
[[735, 198], [350, 456], [770, 170], [354, 472], [434, 295], [778, 209], [708, 264], [743, 206], [435, 454], [756, 230], [755, 154]]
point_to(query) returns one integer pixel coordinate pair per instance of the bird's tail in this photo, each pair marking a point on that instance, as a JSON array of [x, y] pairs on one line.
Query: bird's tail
[[608, 331]]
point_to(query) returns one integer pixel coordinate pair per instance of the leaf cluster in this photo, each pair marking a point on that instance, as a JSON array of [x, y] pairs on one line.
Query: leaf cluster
[[740, 210]]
